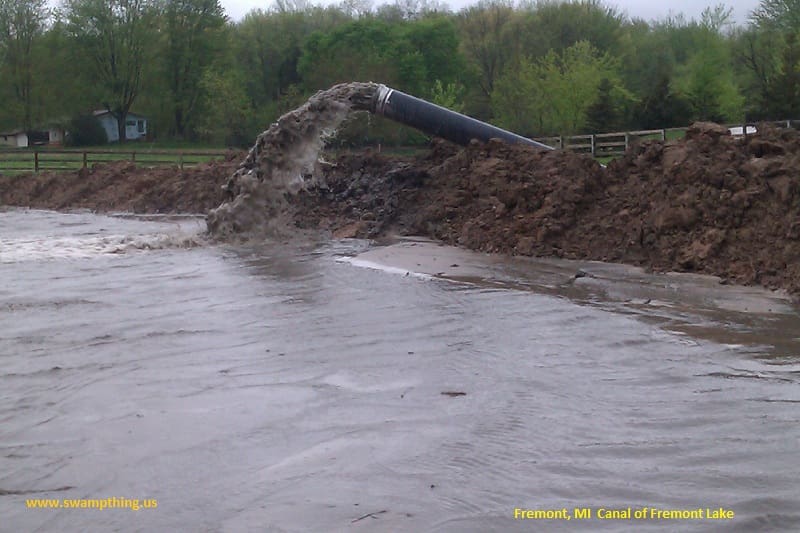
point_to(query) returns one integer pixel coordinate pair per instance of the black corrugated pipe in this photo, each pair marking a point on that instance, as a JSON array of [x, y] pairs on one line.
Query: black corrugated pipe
[[438, 121]]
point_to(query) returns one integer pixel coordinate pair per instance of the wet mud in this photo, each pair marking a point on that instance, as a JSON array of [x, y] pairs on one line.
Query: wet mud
[[710, 203]]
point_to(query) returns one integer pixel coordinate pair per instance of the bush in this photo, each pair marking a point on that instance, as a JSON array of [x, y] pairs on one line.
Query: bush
[[85, 130]]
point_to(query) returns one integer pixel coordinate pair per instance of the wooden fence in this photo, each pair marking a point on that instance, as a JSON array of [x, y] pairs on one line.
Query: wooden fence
[[615, 144], [16, 161]]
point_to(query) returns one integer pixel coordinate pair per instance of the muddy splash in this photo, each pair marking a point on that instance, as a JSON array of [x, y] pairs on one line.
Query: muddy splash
[[279, 163]]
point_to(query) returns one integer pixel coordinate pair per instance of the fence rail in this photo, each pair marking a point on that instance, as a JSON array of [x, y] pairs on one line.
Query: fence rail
[[616, 144], [16, 161]]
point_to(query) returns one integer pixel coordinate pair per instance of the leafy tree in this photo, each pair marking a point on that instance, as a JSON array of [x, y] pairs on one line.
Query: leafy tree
[[785, 87], [768, 51], [400, 10], [486, 37], [85, 130], [435, 41], [549, 24], [780, 15], [22, 24], [449, 95], [359, 50], [661, 106], [114, 35], [604, 114], [355, 8], [707, 80], [227, 109], [757, 66], [192, 38], [408, 55], [267, 47], [551, 95]]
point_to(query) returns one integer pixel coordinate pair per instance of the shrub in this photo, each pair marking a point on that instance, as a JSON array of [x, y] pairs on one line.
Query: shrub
[[85, 130]]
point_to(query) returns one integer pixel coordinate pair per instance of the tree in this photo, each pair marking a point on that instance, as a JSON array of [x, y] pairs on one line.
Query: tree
[[551, 95], [708, 82], [449, 95], [770, 52], [365, 49], [785, 87], [192, 33], [485, 34], [22, 23], [604, 113], [548, 24], [115, 35], [780, 15], [227, 109], [85, 130], [268, 46], [660, 106]]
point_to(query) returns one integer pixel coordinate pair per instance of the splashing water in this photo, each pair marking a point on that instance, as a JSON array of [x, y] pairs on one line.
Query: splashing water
[[276, 163]]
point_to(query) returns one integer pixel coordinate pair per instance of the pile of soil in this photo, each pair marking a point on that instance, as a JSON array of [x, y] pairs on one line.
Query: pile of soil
[[709, 203], [124, 186]]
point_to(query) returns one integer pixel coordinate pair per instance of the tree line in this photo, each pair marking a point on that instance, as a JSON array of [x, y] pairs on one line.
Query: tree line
[[537, 67]]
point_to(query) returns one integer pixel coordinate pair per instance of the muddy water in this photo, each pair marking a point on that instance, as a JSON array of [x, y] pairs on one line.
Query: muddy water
[[284, 387], [279, 162]]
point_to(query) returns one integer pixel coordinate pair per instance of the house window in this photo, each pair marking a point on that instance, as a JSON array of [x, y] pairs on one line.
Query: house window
[[130, 123], [140, 126]]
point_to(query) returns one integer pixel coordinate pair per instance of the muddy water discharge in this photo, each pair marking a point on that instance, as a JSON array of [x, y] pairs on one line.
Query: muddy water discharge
[[281, 155]]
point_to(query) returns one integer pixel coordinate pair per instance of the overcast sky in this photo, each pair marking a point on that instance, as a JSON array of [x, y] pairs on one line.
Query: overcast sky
[[646, 9]]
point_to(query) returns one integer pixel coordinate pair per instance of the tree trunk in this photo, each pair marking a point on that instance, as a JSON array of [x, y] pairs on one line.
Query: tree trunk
[[121, 118], [180, 126]]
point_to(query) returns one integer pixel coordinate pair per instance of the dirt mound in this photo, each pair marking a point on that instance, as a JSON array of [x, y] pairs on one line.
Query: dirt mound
[[124, 186], [710, 203]]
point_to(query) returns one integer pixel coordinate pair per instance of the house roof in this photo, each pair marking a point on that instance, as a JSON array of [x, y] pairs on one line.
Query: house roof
[[12, 132], [101, 112]]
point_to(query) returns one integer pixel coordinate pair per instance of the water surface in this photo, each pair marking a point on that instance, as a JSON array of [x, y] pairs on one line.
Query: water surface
[[280, 387]]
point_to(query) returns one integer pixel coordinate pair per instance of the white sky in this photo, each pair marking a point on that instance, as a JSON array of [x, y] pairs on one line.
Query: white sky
[[646, 9]]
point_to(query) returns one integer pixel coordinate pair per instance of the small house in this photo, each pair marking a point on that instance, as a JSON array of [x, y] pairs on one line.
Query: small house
[[14, 138], [135, 125]]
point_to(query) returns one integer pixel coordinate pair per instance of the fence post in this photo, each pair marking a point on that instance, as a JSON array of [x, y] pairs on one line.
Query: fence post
[[133, 157], [627, 140], [663, 134], [36, 161], [85, 159], [594, 144]]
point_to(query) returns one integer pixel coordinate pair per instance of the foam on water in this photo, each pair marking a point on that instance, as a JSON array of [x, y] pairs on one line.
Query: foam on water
[[49, 236], [363, 263], [38, 249]]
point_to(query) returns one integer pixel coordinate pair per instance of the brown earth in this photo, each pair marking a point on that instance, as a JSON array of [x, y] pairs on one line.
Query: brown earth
[[710, 203], [124, 186]]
